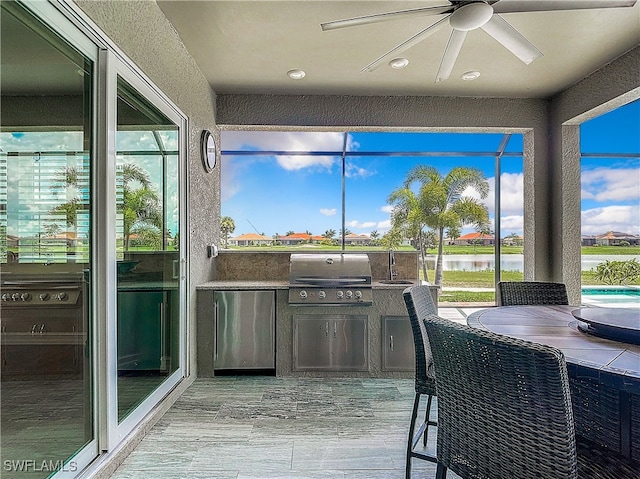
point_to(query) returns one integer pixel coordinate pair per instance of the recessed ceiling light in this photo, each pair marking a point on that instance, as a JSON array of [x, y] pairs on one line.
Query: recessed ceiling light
[[398, 63], [296, 74], [469, 76]]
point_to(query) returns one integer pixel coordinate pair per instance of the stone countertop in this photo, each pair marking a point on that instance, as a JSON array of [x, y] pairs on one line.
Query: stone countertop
[[243, 284], [257, 285]]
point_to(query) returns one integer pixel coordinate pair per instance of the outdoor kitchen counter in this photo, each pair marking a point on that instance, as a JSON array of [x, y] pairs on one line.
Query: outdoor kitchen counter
[[229, 285], [387, 301], [258, 285]]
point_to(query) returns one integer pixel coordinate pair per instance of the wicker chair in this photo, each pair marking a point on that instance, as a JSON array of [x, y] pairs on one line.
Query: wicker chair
[[514, 293], [420, 304], [504, 410]]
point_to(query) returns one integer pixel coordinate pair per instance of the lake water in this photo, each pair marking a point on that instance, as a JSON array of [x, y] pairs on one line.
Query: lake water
[[510, 262]]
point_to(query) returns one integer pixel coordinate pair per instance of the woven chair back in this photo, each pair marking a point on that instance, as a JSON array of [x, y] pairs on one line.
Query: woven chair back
[[419, 304], [504, 406], [514, 293]]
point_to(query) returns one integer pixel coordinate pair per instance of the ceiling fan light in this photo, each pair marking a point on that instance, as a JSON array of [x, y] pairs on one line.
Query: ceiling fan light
[[470, 75], [471, 16], [296, 74], [398, 63]]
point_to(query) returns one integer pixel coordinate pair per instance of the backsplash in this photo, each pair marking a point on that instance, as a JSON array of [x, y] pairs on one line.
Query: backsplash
[[274, 265]]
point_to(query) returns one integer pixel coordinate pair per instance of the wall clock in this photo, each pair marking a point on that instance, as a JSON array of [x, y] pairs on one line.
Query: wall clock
[[208, 150]]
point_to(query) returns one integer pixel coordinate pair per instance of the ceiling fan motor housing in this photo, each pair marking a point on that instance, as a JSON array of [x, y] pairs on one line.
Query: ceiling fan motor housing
[[471, 16]]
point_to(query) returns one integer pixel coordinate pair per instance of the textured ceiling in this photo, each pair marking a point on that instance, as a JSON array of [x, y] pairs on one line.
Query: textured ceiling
[[248, 46]]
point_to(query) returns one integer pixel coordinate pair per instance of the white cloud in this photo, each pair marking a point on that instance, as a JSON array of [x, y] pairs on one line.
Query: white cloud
[[611, 184], [230, 175], [360, 225], [299, 162], [621, 218], [353, 171], [294, 141], [511, 194], [385, 225], [511, 224], [328, 211], [387, 209]]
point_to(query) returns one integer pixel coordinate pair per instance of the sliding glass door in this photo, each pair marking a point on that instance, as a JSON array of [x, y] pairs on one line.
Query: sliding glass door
[[147, 247], [92, 257], [46, 249]]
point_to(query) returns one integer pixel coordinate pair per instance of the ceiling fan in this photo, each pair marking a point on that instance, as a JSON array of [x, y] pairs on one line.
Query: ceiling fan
[[466, 15]]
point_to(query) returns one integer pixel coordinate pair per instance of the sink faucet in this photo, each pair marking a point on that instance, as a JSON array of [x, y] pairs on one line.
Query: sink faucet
[[392, 263]]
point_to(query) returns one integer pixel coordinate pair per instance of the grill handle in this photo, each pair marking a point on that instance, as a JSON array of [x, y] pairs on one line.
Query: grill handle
[[316, 280]]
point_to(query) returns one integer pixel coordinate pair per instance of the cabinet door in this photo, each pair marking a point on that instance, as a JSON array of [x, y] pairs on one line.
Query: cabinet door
[[349, 344], [244, 330], [311, 347], [330, 342], [398, 350]]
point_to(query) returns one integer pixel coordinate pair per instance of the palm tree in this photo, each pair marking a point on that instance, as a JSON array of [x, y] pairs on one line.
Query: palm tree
[[141, 209], [329, 234], [408, 218], [453, 233], [141, 215], [440, 203], [227, 226], [392, 239], [373, 238]]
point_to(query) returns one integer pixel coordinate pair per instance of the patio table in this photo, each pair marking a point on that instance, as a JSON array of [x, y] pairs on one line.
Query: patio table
[[604, 374]]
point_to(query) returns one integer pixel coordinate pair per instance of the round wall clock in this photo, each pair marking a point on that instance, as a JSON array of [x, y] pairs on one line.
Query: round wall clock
[[208, 150]]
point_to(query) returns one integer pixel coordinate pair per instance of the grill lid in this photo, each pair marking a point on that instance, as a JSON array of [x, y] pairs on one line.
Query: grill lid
[[336, 279], [330, 269]]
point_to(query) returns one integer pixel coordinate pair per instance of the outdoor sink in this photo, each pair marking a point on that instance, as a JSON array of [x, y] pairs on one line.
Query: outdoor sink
[[395, 281]]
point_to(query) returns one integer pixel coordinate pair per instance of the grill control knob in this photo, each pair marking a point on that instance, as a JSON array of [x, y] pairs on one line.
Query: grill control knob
[[15, 296], [339, 294], [62, 296], [25, 296], [5, 297], [43, 296], [303, 294], [349, 294], [322, 294], [358, 294]]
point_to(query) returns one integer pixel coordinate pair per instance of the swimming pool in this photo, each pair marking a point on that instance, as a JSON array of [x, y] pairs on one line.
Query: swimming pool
[[611, 295]]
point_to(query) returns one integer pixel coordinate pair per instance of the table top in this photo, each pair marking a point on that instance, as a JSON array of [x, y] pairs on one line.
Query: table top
[[611, 361], [625, 318], [618, 324]]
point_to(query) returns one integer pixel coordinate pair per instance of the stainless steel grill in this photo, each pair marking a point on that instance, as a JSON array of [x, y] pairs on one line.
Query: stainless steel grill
[[340, 279]]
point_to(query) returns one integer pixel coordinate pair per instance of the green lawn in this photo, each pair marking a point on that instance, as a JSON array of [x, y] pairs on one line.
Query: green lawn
[[485, 279], [612, 250], [448, 249]]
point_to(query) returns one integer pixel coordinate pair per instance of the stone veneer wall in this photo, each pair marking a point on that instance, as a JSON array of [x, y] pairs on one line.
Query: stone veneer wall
[[274, 265]]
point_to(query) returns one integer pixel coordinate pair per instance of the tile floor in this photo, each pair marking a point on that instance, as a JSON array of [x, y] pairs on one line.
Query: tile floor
[[252, 427]]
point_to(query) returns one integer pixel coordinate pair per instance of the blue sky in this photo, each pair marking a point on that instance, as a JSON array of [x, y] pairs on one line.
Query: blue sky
[[277, 194]]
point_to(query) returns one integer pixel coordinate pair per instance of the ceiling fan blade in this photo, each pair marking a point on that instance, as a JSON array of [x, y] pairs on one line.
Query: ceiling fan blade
[[386, 17], [418, 37], [511, 39], [450, 54], [513, 6]]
